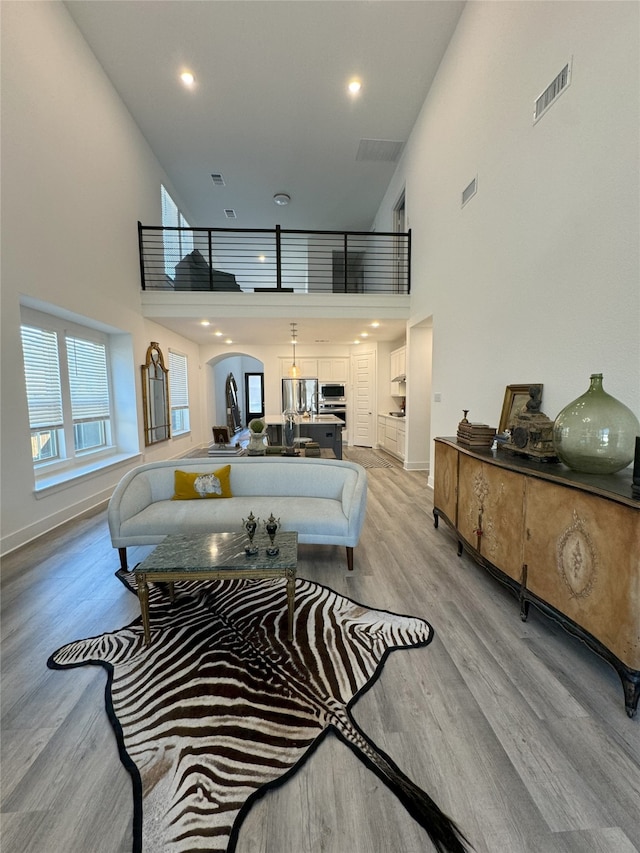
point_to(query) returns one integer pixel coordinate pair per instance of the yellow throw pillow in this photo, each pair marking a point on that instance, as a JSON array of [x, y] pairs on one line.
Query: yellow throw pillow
[[191, 486]]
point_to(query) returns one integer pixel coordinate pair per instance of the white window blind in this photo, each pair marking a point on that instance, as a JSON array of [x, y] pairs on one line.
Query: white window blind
[[178, 389], [88, 380], [178, 392], [42, 375]]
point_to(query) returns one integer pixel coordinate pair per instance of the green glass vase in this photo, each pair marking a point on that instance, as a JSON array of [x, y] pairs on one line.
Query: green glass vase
[[596, 433]]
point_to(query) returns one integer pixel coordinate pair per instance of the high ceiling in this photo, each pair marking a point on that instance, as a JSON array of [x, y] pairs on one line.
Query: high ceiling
[[270, 110]]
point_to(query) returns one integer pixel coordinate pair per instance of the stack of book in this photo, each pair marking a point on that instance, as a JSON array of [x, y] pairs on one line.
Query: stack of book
[[312, 448], [475, 435], [225, 450]]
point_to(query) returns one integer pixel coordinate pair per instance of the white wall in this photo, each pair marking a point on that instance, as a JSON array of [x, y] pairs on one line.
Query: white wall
[[77, 176], [537, 279]]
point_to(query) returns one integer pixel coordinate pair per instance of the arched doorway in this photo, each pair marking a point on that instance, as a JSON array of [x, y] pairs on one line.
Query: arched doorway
[[218, 369]]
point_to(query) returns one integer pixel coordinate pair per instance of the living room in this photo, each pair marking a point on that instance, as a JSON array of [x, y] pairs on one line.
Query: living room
[[534, 279]]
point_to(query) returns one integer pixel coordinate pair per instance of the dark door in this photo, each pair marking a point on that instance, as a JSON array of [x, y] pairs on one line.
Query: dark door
[[254, 395]]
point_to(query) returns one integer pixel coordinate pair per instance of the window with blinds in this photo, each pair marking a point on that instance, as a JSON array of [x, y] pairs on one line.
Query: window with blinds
[[67, 385], [44, 391], [89, 393], [176, 244], [178, 393]]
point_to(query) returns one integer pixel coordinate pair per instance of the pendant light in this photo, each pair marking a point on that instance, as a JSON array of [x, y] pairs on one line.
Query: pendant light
[[294, 370]]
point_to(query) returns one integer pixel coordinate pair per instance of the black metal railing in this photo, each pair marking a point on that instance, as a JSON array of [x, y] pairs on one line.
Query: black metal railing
[[257, 260]]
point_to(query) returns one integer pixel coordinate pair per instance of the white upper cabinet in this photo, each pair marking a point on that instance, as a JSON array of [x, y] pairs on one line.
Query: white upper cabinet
[[308, 367], [398, 367], [333, 369]]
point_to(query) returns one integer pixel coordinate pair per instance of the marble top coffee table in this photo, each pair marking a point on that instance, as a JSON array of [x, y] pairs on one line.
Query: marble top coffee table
[[216, 556]]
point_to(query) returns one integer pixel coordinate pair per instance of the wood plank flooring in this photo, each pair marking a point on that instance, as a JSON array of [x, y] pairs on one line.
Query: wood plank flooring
[[516, 729]]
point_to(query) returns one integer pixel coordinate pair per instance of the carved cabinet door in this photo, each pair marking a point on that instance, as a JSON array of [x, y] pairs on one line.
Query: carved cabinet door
[[445, 481], [583, 557], [491, 513]]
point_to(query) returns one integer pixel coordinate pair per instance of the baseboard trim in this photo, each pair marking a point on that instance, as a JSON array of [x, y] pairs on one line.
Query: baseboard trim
[[42, 527]]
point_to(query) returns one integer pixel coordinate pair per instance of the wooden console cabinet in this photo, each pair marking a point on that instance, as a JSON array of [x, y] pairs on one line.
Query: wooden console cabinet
[[567, 542]]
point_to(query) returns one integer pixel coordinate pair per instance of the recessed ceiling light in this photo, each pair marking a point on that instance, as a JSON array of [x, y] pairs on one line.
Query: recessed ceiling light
[[356, 342], [375, 324], [205, 323], [228, 341], [282, 199], [218, 334], [355, 86], [187, 78], [364, 334]]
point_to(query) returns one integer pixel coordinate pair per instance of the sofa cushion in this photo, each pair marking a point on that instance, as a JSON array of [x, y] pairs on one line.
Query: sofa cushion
[[192, 485], [315, 519]]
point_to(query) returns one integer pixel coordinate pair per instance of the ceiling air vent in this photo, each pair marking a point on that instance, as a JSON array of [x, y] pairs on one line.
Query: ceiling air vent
[[552, 92], [217, 179], [230, 213], [382, 150], [469, 191]]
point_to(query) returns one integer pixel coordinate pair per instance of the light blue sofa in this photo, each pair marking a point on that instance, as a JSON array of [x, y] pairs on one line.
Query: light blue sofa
[[324, 500]]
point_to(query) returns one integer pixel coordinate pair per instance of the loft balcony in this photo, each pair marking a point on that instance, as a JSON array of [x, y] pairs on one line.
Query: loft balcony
[[271, 261]]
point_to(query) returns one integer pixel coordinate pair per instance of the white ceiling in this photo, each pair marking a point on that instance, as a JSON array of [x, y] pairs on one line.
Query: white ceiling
[[270, 109], [311, 333]]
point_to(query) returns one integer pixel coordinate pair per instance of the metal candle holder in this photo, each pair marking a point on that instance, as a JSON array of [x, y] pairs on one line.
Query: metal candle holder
[[272, 525], [250, 525]]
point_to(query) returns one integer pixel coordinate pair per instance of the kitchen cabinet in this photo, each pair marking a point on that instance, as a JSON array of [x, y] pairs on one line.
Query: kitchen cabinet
[[566, 542], [401, 439], [391, 435], [308, 367], [326, 369], [333, 369], [398, 367], [390, 438], [326, 434]]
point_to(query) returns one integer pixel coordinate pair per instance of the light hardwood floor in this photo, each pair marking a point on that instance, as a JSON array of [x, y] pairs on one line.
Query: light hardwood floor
[[516, 729]]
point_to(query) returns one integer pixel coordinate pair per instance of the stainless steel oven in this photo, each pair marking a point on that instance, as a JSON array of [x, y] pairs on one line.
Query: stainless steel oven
[[337, 409]]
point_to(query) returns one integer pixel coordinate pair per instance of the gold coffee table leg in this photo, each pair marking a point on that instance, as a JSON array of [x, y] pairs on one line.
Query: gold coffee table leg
[[143, 597], [291, 594]]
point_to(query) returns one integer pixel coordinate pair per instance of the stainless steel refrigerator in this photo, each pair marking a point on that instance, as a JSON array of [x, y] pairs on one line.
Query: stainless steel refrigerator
[[301, 395]]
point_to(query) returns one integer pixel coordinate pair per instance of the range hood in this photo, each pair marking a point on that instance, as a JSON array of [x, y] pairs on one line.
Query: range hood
[[401, 378]]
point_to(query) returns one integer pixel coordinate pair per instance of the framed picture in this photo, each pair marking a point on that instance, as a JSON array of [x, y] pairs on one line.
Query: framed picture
[[516, 398], [221, 434]]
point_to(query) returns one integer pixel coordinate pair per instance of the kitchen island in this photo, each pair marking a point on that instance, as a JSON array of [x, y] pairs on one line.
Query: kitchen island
[[325, 429]]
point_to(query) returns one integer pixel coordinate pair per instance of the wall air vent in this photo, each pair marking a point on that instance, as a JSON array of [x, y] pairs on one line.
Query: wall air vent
[[469, 191], [382, 150], [552, 92], [230, 213], [217, 179]]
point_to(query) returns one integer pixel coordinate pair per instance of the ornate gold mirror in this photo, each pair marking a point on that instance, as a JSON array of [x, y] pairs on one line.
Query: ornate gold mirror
[[155, 397], [234, 419]]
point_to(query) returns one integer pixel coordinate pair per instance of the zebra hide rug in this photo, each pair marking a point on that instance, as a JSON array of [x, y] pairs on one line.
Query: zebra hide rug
[[220, 706]]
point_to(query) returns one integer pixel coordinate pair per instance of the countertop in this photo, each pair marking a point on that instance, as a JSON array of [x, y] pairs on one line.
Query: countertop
[[389, 415], [321, 420]]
